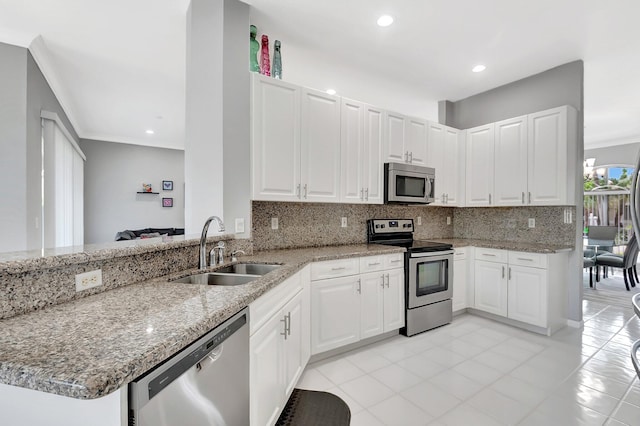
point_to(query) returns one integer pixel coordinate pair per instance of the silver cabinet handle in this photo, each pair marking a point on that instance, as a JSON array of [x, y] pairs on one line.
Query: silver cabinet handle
[[400, 260], [289, 323], [489, 254], [489, 198], [524, 258], [442, 198], [339, 268], [284, 333], [305, 191], [410, 157], [503, 272], [387, 280], [359, 286], [361, 193], [298, 191], [446, 200], [523, 197], [366, 194], [509, 273], [373, 264], [406, 156], [382, 276], [529, 197]]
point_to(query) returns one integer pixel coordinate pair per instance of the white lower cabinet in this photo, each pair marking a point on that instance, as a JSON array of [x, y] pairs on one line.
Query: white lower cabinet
[[277, 348], [350, 308], [526, 287]]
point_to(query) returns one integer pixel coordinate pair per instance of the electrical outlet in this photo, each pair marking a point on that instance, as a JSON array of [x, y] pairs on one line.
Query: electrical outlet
[[343, 222], [239, 225], [419, 220], [532, 222], [448, 220], [568, 216], [88, 280], [274, 223]]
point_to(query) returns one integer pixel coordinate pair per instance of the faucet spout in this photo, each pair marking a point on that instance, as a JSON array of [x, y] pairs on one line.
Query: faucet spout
[[202, 264]]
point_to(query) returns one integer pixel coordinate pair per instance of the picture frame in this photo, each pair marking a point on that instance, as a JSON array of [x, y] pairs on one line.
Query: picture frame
[[167, 202], [167, 185]]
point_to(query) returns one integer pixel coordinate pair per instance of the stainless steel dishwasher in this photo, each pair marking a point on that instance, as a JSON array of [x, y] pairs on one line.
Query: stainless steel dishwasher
[[206, 383]]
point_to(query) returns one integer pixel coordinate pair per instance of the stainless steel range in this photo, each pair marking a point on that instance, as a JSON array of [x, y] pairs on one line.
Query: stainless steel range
[[428, 274]]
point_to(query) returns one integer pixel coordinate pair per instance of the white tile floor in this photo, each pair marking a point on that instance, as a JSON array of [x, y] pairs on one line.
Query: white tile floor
[[479, 372]]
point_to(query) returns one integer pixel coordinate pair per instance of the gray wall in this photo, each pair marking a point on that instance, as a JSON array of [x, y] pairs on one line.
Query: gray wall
[[13, 148], [563, 85], [114, 172], [621, 155]]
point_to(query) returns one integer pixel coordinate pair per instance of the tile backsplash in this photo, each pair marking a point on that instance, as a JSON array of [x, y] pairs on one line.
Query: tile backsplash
[[318, 224], [511, 224]]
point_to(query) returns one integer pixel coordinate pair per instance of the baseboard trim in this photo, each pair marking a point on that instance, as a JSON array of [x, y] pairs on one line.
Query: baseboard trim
[[575, 324], [348, 348]]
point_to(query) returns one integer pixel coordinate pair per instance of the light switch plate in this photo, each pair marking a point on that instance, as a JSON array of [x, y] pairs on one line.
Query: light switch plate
[[532, 222], [239, 225], [419, 220], [343, 222], [274, 223], [88, 280], [448, 220]]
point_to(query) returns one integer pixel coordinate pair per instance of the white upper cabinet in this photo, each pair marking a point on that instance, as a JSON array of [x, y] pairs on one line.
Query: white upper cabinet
[[395, 138], [480, 157], [416, 141], [551, 178], [510, 172], [275, 139], [361, 153], [320, 146], [443, 155]]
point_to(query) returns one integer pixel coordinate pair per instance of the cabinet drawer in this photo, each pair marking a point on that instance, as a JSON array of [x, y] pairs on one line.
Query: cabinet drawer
[[535, 260], [460, 253], [264, 307], [381, 262], [335, 268], [491, 255]]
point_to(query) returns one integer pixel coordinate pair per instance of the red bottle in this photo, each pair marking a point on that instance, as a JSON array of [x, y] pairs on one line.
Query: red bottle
[[265, 67]]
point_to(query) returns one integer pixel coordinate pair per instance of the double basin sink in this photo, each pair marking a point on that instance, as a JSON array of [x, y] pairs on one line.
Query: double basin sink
[[237, 274]]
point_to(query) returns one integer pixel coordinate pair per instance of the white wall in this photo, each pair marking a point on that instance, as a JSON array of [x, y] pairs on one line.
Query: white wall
[[114, 172]]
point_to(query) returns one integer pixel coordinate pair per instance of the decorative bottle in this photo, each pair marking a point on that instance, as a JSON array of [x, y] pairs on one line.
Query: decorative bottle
[[265, 68], [277, 60], [254, 47]]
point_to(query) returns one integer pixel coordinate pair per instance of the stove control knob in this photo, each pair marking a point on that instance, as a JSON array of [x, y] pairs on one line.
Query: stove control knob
[[381, 226], [377, 226]]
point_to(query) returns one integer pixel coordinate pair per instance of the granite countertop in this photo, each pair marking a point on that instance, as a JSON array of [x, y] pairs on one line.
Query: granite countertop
[[507, 245], [90, 347]]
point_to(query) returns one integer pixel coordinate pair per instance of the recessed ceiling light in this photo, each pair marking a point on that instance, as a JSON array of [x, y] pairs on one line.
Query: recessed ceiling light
[[385, 20], [479, 68], [150, 132], [331, 91]]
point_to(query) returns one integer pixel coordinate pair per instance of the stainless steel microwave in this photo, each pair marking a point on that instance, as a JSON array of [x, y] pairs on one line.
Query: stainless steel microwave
[[408, 184]]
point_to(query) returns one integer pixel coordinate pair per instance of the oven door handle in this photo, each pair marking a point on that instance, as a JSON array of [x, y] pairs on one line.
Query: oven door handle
[[432, 254]]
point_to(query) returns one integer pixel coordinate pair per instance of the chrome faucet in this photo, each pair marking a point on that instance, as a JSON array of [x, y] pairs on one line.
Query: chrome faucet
[[234, 255], [202, 265], [216, 255]]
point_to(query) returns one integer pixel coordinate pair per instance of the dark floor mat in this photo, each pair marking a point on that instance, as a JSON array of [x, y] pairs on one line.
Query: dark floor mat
[[314, 408]]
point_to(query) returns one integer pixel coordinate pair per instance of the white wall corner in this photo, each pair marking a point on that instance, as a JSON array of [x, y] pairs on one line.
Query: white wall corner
[[43, 58]]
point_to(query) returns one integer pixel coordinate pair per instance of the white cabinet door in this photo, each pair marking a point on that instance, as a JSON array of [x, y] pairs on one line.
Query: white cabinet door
[[371, 304], [548, 175], [491, 287], [528, 295], [459, 299], [320, 146], [293, 352], [479, 186], [435, 159], [352, 157], [394, 308], [394, 129], [335, 313], [510, 173], [275, 139], [373, 148], [416, 141], [267, 361], [451, 162]]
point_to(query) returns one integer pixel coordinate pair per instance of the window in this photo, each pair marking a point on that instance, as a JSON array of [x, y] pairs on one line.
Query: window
[[62, 184]]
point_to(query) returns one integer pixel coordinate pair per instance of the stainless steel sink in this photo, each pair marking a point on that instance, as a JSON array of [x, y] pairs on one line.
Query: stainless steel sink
[[248, 269], [212, 278]]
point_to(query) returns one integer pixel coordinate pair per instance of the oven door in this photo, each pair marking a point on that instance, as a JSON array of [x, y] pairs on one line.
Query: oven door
[[430, 278]]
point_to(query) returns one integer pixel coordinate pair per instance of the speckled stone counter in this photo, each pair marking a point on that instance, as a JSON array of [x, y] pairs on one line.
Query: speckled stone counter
[[507, 245], [90, 347]]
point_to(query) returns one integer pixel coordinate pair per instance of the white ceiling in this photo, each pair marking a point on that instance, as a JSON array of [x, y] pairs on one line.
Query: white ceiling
[[119, 65]]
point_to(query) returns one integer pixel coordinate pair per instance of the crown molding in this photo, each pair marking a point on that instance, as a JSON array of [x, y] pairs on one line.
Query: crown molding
[[131, 141], [42, 56], [16, 38]]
